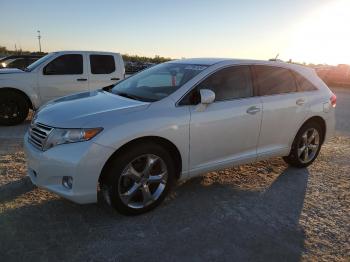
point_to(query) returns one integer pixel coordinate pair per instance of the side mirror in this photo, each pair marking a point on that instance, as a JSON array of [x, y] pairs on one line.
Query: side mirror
[[207, 96]]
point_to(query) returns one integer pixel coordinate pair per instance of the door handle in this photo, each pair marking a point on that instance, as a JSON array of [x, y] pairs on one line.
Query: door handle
[[253, 110], [81, 79], [300, 101], [115, 78]]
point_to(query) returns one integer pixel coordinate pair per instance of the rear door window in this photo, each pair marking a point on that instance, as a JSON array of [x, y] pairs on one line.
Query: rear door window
[[274, 80], [102, 64]]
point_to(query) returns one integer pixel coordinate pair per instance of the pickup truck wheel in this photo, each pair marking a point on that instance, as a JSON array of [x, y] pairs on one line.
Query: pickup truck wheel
[[138, 180], [14, 108]]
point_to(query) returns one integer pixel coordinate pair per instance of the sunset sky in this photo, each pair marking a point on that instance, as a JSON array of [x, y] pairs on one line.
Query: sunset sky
[[314, 31]]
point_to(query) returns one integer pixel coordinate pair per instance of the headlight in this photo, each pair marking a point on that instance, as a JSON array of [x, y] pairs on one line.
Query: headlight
[[60, 136]]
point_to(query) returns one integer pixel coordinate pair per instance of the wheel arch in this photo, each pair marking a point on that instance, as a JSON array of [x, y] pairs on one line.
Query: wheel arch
[[319, 120], [174, 151], [16, 90]]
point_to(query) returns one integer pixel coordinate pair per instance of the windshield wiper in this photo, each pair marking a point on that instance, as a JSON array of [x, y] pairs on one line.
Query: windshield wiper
[[129, 96]]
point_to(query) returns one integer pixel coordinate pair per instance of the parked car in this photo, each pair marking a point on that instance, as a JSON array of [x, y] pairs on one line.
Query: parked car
[[18, 61], [175, 121], [55, 75]]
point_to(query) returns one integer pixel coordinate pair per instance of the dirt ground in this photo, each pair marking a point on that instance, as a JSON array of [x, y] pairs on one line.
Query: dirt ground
[[262, 211]]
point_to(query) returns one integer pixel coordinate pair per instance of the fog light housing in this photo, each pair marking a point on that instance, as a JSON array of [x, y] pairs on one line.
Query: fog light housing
[[67, 182]]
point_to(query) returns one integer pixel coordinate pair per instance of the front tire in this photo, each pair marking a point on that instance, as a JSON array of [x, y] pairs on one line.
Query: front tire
[[14, 108], [306, 145], [138, 179]]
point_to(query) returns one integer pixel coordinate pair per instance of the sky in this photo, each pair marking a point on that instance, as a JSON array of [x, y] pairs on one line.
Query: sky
[[314, 31]]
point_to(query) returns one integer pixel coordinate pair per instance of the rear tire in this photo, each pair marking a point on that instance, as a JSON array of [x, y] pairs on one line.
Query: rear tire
[[306, 145], [14, 108], [129, 181]]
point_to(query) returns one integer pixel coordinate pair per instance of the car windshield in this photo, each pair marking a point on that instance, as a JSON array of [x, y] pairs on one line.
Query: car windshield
[[39, 62], [157, 82]]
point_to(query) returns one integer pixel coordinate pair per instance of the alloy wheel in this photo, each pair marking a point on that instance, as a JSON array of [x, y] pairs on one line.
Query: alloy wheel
[[308, 145], [142, 181]]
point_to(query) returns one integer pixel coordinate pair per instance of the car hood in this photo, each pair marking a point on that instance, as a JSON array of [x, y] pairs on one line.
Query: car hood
[[83, 109], [10, 71]]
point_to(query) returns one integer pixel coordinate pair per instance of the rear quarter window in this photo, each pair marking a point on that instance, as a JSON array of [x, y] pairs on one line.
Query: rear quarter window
[[303, 83]]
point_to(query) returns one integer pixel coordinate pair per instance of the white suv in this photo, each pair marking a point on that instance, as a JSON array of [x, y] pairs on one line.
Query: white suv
[[175, 121]]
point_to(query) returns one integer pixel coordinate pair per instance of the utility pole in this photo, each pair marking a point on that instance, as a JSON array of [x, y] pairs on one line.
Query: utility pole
[[39, 37]]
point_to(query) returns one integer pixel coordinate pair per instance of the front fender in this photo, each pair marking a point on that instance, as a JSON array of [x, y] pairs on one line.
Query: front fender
[[171, 125], [23, 83]]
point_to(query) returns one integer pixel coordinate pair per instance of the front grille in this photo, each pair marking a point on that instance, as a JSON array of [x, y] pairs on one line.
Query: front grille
[[38, 134]]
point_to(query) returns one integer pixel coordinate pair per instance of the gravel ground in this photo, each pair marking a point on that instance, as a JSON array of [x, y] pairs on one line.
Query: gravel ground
[[262, 211], [343, 110]]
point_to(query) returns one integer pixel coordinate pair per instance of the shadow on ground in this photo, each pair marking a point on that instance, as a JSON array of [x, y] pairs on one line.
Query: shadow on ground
[[198, 222]]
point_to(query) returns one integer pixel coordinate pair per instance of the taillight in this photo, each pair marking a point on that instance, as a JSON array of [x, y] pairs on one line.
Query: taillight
[[333, 100]]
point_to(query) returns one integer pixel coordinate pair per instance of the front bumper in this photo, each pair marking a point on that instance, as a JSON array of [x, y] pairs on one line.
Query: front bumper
[[83, 161]]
